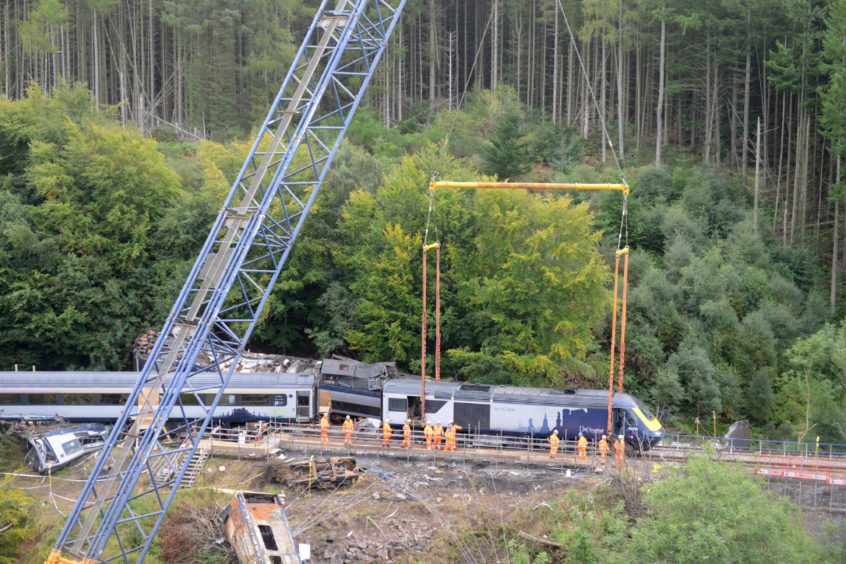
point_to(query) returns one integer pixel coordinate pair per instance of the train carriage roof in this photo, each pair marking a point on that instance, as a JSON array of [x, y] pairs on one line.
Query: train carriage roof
[[72, 381], [508, 394]]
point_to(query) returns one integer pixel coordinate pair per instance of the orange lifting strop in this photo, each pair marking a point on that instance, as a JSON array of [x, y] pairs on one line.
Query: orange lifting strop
[[624, 252], [426, 249]]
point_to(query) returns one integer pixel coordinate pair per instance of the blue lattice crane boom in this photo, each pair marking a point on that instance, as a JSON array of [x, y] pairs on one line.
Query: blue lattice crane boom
[[134, 480]]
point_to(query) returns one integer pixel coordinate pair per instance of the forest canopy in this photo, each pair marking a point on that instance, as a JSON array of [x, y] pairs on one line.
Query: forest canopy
[[123, 124]]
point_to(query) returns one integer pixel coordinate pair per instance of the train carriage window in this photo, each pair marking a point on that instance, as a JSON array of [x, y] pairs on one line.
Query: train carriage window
[[81, 399], [190, 399], [644, 409], [255, 399], [398, 404], [43, 399], [71, 447], [365, 410], [434, 406], [114, 399], [10, 399], [473, 416]]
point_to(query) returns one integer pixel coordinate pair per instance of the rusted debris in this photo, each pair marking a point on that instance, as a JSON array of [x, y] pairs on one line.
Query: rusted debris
[[329, 473], [255, 525]]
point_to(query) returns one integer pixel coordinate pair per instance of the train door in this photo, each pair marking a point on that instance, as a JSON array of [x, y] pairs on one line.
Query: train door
[[304, 405], [414, 411], [618, 422], [626, 425]]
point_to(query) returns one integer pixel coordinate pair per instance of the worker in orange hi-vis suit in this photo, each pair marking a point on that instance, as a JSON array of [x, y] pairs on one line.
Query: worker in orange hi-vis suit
[[582, 444], [553, 444], [449, 434], [386, 434], [455, 430], [427, 433], [406, 434], [603, 448], [438, 435], [348, 427], [619, 452], [324, 428]]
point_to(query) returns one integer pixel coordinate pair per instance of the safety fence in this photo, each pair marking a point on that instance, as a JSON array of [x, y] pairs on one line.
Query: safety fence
[[813, 478], [824, 462], [479, 447], [753, 445]]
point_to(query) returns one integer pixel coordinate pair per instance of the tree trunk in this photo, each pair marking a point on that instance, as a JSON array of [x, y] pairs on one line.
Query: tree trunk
[[433, 53], [834, 240], [7, 75], [797, 171], [638, 88], [757, 176], [570, 89], [602, 102], [586, 95], [555, 83], [620, 96], [747, 86], [95, 56], [659, 113], [495, 45]]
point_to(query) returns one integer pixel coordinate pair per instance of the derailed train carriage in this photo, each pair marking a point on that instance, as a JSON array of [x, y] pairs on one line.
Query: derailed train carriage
[[517, 411], [100, 396], [344, 387]]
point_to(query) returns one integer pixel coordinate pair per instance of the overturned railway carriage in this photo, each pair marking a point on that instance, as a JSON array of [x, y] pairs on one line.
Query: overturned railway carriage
[[349, 387], [100, 396], [510, 410]]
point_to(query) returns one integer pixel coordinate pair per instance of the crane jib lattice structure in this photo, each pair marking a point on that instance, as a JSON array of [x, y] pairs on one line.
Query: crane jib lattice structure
[[136, 476]]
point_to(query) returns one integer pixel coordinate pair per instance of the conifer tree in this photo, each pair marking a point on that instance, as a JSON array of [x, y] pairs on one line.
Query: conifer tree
[[506, 155]]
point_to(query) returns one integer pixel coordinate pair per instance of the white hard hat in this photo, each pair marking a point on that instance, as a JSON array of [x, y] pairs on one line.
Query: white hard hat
[[348, 416], [603, 436], [555, 432], [408, 420], [620, 437], [428, 422]]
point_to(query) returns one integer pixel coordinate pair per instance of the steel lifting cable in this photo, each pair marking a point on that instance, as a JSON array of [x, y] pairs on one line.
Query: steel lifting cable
[[590, 90], [620, 251], [432, 219], [613, 341]]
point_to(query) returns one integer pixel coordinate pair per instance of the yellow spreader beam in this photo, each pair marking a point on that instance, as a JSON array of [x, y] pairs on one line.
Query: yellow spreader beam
[[624, 188]]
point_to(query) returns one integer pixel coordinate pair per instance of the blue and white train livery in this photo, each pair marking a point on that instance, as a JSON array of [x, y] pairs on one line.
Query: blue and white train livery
[[511, 410]]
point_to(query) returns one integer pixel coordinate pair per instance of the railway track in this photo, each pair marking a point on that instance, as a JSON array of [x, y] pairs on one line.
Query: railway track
[[829, 469]]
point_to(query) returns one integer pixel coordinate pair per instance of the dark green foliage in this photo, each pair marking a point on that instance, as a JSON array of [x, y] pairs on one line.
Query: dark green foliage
[[78, 228], [705, 511], [17, 528], [715, 512], [506, 155], [100, 227]]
